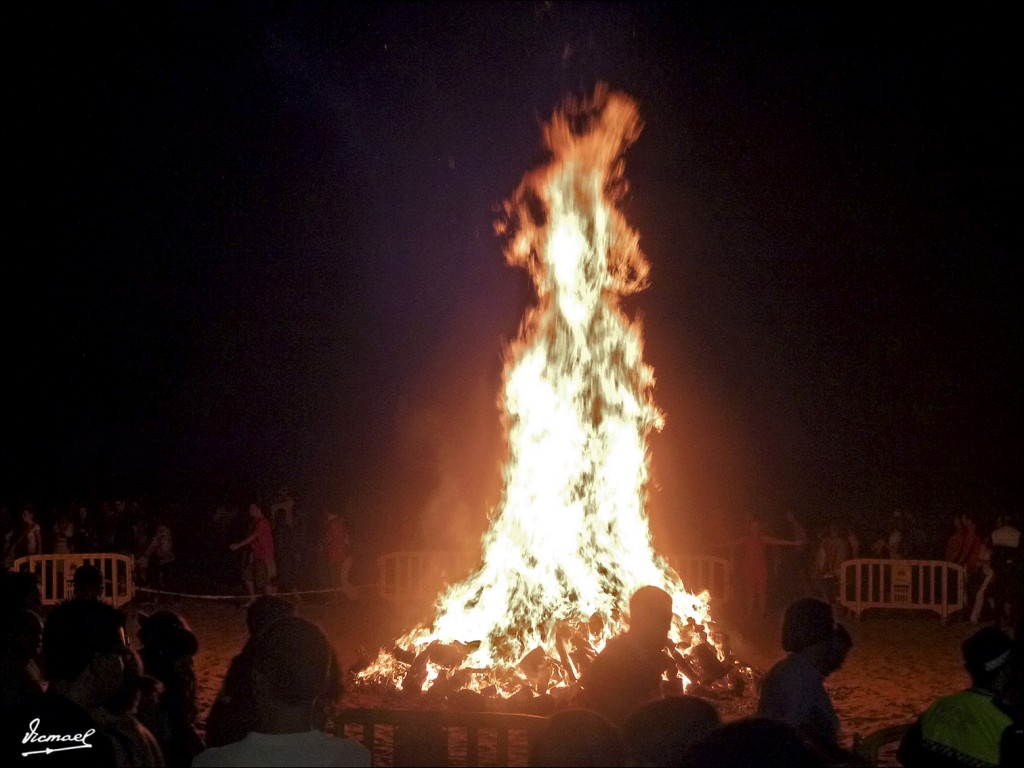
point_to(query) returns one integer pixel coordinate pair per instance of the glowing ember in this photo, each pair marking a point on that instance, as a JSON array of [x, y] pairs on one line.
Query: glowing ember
[[570, 542]]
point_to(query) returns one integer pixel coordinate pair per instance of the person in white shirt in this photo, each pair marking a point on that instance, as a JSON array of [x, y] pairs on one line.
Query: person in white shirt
[[290, 672]]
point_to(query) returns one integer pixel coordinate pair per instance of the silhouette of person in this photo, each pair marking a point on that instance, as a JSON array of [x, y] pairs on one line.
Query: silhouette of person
[[793, 691], [1007, 567], [578, 737], [338, 551], [233, 713], [87, 583], [134, 744], [20, 662], [260, 565], [84, 647], [631, 668], [754, 558], [966, 728], [168, 650], [660, 732], [291, 663], [753, 741]]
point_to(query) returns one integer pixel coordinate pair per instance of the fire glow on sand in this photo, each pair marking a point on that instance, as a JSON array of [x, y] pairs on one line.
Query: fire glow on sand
[[569, 542]]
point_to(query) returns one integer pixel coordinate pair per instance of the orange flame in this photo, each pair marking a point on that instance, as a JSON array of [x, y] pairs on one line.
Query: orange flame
[[570, 541]]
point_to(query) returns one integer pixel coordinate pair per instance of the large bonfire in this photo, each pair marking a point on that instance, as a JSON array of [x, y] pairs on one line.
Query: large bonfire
[[570, 540]]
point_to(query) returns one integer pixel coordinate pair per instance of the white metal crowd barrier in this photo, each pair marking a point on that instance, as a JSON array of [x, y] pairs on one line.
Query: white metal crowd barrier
[[416, 577], [56, 572], [930, 585], [700, 572]]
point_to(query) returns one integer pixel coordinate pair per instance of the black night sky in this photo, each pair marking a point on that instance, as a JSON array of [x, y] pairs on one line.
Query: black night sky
[[252, 244]]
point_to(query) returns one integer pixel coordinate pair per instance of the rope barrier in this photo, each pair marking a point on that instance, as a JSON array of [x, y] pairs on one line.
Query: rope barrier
[[234, 597]]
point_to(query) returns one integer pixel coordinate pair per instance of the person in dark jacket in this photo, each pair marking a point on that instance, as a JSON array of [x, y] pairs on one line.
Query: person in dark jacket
[[793, 691]]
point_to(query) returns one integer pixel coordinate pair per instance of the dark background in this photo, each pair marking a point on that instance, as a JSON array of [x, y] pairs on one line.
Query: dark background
[[251, 244]]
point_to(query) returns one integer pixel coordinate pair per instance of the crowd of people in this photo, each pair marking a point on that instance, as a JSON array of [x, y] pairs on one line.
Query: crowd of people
[[263, 550], [628, 717], [73, 681], [789, 563], [73, 678], [72, 671]]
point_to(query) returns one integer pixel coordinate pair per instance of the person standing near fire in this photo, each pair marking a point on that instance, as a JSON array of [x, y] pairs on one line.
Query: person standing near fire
[[338, 554], [1007, 573], [259, 570], [753, 548], [27, 539]]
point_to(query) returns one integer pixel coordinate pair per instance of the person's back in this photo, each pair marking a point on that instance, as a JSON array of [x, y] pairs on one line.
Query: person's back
[[233, 713], [753, 741], [134, 744], [167, 654], [577, 737], [625, 675], [660, 732], [291, 663]]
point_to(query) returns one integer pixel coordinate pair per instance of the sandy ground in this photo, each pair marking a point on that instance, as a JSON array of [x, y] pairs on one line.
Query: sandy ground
[[900, 662]]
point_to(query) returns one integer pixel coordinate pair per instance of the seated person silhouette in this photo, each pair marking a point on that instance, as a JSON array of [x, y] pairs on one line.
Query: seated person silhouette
[[793, 691], [631, 668], [968, 728]]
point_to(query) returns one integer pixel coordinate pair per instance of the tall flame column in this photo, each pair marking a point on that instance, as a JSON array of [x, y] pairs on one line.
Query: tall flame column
[[570, 540]]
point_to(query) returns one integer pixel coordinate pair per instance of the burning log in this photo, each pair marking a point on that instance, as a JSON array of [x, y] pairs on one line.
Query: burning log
[[448, 684], [531, 663], [704, 657], [449, 655], [402, 656], [416, 676], [583, 652], [562, 635], [465, 700], [363, 660]]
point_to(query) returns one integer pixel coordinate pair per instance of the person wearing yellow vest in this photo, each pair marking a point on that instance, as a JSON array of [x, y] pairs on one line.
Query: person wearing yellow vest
[[966, 728]]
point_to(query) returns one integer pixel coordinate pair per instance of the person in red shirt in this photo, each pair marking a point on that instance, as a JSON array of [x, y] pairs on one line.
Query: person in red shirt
[[753, 547], [260, 569]]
